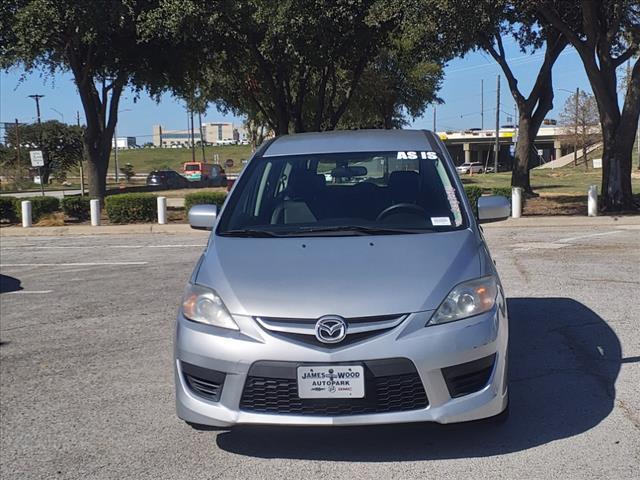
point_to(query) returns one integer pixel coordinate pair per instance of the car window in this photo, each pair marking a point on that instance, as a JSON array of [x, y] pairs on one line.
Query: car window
[[402, 192]]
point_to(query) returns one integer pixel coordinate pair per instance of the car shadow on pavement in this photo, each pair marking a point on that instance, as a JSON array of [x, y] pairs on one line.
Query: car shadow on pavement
[[564, 360], [9, 284]]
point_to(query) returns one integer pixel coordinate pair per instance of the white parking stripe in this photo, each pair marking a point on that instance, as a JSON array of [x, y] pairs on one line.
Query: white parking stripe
[[63, 247], [22, 292], [75, 264], [580, 237]]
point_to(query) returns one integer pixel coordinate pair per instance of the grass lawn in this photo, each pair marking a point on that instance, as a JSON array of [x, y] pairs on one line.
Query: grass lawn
[[561, 181], [146, 159]]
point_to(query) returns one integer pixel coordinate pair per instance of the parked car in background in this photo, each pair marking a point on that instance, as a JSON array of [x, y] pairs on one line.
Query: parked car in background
[[167, 179], [475, 167], [196, 171], [218, 176]]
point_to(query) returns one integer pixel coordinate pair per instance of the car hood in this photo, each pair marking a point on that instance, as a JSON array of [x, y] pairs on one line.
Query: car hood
[[354, 276]]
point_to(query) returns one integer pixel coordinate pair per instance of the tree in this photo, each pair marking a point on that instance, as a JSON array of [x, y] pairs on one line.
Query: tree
[[61, 145], [97, 41], [394, 86], [128, 171], [606, 34], [298, 63], [484, 24], [305, 65], [579, 120]]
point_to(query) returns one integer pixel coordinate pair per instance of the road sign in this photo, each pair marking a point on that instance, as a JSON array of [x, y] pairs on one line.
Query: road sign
[[228, 163], [37, 159]]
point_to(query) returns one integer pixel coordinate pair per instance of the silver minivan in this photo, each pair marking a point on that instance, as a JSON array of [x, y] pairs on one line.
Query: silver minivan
[[346, 282]]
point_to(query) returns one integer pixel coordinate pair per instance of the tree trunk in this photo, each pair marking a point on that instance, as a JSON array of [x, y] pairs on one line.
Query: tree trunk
[[526, 136], [97, 166], [617, 194]]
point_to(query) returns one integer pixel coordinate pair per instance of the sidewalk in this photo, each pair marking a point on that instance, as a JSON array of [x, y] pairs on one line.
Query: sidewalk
[[624, 222]]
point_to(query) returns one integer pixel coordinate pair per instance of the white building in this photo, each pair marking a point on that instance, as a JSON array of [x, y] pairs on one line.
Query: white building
[[124, 142], [213, 133]]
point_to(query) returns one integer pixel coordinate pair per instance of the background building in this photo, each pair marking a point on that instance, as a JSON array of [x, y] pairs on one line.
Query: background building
[[124, 142], [212, 133]]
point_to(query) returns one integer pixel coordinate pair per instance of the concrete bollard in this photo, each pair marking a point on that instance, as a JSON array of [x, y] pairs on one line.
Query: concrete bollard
[[516, 202], [95, 212], [26, 213], [592, 201], [162, 210]]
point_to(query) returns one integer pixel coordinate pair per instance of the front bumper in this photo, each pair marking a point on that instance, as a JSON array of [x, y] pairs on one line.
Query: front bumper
[[429, 349]]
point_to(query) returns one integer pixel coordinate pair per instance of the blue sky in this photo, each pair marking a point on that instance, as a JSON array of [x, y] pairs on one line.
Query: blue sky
[[460, 92]]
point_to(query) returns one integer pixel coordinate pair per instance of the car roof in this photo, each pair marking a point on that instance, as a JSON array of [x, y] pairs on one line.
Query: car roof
[[339, 141]]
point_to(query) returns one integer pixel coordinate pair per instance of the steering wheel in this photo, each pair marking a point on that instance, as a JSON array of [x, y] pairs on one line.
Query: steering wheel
[[408, 207]]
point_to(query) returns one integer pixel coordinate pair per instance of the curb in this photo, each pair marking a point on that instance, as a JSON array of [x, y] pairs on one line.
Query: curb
[[176, 228], [626, 221], [622, 222]]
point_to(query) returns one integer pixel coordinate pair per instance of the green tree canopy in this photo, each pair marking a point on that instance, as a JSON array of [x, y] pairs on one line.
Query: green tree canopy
[[98, 42], [61, 144]]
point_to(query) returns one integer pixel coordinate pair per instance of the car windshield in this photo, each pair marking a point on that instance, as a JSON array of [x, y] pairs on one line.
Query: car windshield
[[191, 168], [365, 193]]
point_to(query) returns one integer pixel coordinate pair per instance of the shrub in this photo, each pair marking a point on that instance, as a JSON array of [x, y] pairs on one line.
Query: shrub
[[473, 193], [127, 171], [198, 198], [131, 208], [40, 206], [8, 209], [503, 191], [76, 207]]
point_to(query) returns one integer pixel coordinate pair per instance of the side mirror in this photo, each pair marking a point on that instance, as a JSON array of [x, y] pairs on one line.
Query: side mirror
[[492, 208], [203, 217]]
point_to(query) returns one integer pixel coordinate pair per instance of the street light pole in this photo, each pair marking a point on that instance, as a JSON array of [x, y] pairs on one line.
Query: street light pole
[[575, 132], [497, 144], [59, 113], [81, 159], [115, 141], [115, 151]]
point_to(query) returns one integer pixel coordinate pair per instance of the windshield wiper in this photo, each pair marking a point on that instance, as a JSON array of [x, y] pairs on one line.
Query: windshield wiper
[[248, 233], [362, 230]]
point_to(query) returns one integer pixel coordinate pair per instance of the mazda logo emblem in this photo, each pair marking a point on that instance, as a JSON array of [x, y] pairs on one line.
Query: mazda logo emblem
[[331, 329]]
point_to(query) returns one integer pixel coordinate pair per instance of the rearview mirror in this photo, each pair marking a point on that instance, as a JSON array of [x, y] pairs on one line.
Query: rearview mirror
[[349, 172], [203, 217], [492, 208]]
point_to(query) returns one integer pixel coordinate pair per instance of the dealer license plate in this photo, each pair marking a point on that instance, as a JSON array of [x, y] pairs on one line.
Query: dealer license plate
[[331, 381]]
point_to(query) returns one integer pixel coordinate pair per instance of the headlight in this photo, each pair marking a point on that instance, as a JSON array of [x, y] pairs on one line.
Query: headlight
[[466, 300], [204, 305]]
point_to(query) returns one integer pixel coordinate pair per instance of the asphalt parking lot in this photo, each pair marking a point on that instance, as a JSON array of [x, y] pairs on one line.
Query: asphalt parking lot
[[86, 385]]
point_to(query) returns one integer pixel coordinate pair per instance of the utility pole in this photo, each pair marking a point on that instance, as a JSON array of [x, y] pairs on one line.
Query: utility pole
[[201, 135], [575, 131], [193, 141], [160, 129], [81, 159], [18, 148], [482, 104], [434, 118], [497, 145], [37, 98]]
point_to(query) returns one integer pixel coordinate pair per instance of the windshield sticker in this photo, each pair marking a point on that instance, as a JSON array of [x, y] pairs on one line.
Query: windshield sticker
[[453, 202], [416, 155], [440, 221]]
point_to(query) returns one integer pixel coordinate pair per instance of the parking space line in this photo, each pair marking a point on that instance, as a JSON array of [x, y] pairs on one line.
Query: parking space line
[[580, 237], [71, 247], [73, 264], [23, 292]]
